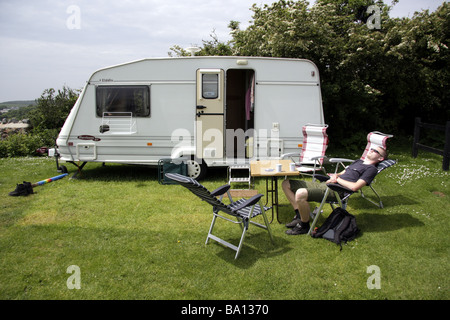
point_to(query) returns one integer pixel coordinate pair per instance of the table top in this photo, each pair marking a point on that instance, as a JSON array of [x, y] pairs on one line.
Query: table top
[[267, 168]]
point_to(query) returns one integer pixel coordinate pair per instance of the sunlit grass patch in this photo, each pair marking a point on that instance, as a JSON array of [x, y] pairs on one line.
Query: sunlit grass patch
[[133, 238]]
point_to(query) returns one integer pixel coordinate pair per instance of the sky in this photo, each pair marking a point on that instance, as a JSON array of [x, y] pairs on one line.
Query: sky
[[55, 43]]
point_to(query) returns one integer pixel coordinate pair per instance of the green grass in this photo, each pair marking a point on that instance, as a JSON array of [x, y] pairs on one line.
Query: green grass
[[133, 238]]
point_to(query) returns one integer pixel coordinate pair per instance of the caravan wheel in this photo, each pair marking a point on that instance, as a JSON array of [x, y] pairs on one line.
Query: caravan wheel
[[196, 169], [62, 169]]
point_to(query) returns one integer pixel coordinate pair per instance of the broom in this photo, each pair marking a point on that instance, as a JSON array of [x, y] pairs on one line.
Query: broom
[[26, 188]]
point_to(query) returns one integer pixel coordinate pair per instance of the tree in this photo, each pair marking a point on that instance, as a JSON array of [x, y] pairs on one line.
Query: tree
[[371, 78], [213, 47], [46, 118], [420, 47], [334, 36], [52, 108]]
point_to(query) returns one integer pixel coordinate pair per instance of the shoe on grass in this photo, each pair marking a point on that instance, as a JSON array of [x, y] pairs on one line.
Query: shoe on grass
[[293, 223], [298, 229], [20, 190]]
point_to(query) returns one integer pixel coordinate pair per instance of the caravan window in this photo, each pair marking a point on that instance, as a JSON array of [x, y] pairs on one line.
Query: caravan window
[[120, 99], [210, 86]]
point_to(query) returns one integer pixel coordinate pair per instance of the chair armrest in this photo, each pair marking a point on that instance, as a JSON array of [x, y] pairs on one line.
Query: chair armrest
[[321, 177], [337, 160], [249, 202], [339, 188], [292, 154], [340, 161], [221, 190]]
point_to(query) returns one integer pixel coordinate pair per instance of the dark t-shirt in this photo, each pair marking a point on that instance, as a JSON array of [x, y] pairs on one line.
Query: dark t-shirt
[[358, 170]]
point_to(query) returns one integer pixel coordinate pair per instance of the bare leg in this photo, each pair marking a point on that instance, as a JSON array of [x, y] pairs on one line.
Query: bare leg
[[299, 200], [289, 194]]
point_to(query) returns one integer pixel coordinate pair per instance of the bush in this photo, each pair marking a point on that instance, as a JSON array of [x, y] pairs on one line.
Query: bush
[[46, 118], [23, 144]]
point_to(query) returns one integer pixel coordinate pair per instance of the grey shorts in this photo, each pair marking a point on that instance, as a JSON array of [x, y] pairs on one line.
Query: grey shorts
[[316, 190]]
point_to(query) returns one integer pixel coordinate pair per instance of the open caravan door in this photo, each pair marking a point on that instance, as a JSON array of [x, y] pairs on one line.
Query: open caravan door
[[209, 124]]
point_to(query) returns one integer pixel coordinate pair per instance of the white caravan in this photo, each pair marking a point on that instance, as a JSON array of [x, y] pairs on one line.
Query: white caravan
[[212, 111]]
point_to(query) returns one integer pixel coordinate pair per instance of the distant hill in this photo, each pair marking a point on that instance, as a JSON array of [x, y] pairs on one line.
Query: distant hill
[[18, 103]]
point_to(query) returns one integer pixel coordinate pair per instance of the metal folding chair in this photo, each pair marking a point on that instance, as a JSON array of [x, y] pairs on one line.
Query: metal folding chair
[[244, 210], [374, 139], [342, 194]]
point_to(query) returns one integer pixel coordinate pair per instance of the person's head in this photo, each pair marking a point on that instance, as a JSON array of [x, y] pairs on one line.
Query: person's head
[[377, 154]]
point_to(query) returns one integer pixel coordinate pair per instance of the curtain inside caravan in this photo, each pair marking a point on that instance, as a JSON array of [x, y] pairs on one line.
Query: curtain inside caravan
[[118, 100], [250, 98]]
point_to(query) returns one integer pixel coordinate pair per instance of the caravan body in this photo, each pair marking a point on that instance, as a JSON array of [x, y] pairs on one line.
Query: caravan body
[[212, 110]]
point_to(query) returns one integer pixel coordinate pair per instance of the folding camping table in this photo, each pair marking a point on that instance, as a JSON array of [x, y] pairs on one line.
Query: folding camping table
[[268, 169]]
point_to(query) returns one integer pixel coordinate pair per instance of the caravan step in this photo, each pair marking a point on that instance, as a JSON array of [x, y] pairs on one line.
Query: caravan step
[[241, 166], [239, 174], [239, 180]]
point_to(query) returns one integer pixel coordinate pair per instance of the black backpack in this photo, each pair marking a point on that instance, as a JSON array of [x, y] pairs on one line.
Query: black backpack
[[338, 227]]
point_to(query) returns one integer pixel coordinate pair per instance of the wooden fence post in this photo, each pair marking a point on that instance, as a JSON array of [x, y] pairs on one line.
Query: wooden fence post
[[415, 149], [444, 153], [446, 160]]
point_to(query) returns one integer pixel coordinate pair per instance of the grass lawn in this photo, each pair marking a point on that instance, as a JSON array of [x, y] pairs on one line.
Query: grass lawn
[[133, 238]]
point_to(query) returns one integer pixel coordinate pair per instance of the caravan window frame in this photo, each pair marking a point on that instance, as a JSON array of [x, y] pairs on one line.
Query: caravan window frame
[[210, 87], [102, 100]]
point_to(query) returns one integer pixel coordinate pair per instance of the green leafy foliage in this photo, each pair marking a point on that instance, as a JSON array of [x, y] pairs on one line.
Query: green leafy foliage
[[53, 108], [46, 119]]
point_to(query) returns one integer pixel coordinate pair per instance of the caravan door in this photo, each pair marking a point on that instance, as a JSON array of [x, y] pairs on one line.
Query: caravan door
[[209, 124]]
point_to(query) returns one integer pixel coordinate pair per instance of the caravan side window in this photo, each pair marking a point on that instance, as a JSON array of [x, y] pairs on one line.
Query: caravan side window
[[210, 86], [117, 100]]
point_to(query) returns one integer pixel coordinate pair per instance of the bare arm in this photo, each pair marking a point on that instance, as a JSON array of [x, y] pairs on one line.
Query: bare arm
[[333, 177], [354, 186]]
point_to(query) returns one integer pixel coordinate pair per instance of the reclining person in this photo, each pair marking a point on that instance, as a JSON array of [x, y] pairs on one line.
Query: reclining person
[[357, 175]]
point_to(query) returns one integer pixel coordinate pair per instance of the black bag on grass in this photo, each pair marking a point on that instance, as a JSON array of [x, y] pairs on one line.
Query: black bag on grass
[[338, 227]]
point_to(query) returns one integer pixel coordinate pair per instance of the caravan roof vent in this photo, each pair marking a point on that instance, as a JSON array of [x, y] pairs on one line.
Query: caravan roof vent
[[192, 50]]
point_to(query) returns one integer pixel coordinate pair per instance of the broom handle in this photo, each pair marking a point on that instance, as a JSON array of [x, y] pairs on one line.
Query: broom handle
[[40, 183]]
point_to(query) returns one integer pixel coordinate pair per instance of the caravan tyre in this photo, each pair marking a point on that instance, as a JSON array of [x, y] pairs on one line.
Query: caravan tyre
[[196, 169], [62, 169]]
